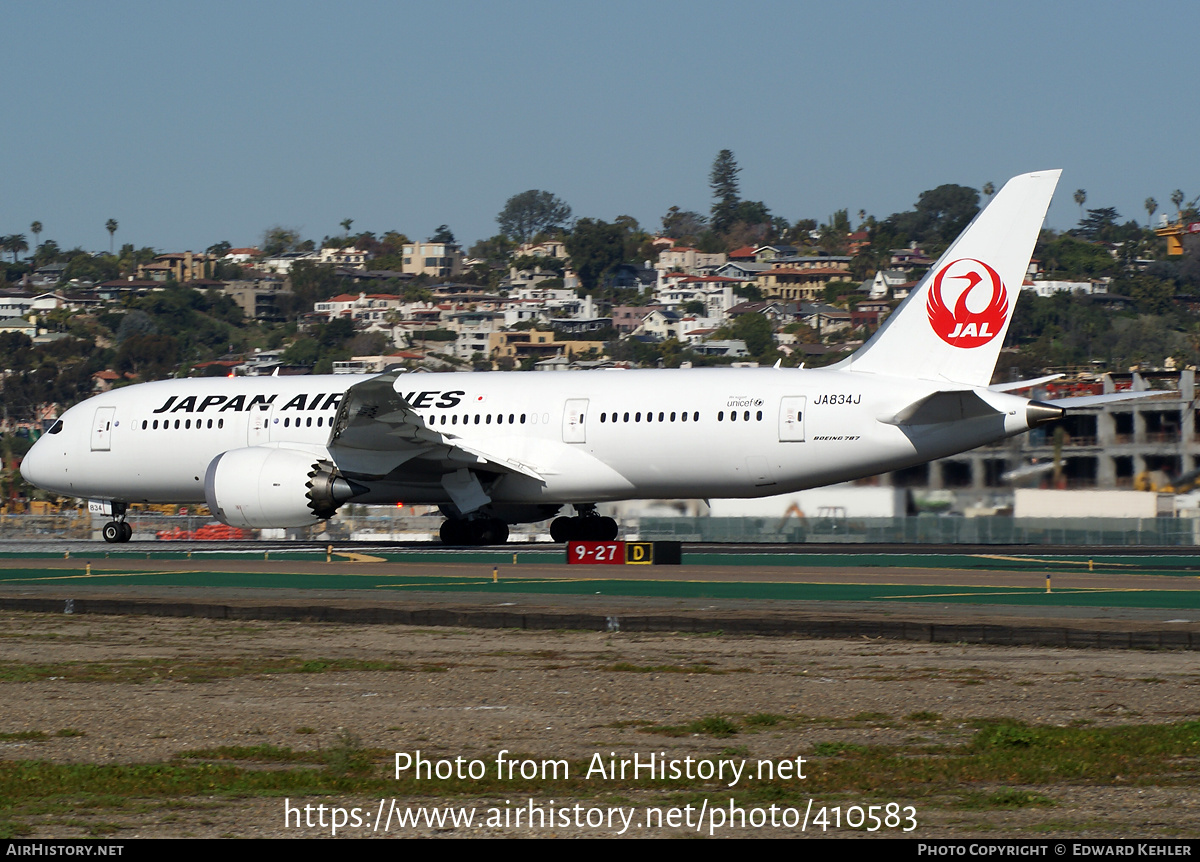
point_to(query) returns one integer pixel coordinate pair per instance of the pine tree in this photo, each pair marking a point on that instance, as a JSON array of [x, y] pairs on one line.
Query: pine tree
[[724, 184]]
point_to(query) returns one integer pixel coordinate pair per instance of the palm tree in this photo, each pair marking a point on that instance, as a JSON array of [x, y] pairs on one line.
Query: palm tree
[[1080, 197], [1151, 205], [1177, 199], [346, 222], [989, 189], [16, 243], [111, 227], [36, 230]]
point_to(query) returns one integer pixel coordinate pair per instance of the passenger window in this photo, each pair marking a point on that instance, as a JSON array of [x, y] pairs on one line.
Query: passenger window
[[721, 416], [144, 424], [626, 417], [746, 416], [759, 415]]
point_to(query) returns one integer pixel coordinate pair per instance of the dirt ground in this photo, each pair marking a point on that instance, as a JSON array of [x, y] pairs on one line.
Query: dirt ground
[[561, 695]]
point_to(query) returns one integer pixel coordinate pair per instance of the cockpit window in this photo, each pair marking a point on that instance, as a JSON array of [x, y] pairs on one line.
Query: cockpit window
[[55, 428]]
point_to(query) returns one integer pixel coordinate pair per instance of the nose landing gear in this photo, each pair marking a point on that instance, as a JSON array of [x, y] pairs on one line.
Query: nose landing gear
[[118, 530]]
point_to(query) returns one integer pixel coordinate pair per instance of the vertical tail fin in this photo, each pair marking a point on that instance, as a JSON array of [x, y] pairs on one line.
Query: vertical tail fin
[[951, 327]]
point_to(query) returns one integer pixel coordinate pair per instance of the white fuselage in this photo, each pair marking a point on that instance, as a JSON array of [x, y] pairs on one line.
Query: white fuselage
[[591, 436]]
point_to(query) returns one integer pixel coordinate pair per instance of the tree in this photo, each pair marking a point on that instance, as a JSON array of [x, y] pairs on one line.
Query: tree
[[495, 251], [989, 189], [443, 234], [1151, 205], [526, 215], [47, 252], [1098, 224], [278, 239], [940, 215], [724, 184], [754, 329], [36, 230], [111, 227], [595, 248], [15, 243], [345, 223], [683, 224], [835, 234], [1080, 197]]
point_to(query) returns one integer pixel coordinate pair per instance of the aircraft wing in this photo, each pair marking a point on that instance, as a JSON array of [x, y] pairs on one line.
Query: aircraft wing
[[376, 430]]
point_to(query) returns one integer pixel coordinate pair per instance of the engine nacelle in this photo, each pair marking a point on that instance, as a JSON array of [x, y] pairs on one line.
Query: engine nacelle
[[264, 487]]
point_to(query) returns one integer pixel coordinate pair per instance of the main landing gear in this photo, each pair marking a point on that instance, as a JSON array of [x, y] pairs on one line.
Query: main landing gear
[[587, 526], [479, 531]]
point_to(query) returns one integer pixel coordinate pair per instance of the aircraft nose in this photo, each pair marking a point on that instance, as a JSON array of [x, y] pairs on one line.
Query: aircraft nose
[[36, 465]]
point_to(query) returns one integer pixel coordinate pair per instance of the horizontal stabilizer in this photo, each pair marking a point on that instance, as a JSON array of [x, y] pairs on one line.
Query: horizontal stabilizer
[[1093, 400], [951, 406], [1018, 385]]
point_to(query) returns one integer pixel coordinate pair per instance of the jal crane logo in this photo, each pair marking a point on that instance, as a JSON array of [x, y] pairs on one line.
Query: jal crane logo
[[965, 327]]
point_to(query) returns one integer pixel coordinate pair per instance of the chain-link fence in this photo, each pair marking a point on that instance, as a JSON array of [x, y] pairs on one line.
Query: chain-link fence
[[911, 530], [933, 530]]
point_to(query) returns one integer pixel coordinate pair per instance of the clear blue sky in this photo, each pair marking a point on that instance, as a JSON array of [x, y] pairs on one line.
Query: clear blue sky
[[195, 123]]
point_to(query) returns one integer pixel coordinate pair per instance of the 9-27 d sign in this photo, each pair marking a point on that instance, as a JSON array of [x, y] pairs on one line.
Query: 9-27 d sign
[[623, 553]]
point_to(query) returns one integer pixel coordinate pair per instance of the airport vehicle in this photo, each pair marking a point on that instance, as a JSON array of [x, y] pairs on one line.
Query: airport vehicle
[[509, 447]]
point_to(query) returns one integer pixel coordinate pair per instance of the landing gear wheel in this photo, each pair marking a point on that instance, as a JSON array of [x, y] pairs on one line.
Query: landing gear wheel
[[561, 529], [454, 532], [126, 532], [589, 528], [112, 532], [493, 531]]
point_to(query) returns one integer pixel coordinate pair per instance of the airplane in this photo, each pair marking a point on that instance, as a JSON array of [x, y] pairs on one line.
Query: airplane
[[505, 448]]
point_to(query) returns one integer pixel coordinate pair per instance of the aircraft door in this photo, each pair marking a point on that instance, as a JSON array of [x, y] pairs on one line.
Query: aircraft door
[[102, 429], [258, 431], [791, 419], [574, 421]]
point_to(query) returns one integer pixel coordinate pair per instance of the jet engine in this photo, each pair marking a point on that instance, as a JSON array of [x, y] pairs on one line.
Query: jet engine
[[263, 487]]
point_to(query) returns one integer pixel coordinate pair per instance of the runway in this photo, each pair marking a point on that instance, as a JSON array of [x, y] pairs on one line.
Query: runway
[[1078, 598]]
